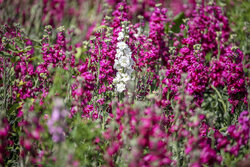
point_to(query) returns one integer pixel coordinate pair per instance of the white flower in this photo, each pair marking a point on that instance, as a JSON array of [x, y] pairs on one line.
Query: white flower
[[120, 36], [120, 87], [117, 78], [139, 31], [119, 53], [129, 70], [122, 45], [128, 52], [125, 77], [117, 65], [124, 61]]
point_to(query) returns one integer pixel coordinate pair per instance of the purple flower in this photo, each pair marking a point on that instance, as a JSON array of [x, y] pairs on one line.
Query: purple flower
[[57, 123]]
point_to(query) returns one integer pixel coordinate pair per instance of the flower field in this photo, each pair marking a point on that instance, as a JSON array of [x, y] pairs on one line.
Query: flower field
[[126, 83]]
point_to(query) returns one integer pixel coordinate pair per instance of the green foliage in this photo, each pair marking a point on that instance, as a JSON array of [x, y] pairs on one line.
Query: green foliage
[[178, 21], [83, 139], [238, 12]]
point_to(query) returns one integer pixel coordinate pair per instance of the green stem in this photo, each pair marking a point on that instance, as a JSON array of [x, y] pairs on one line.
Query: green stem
[[218, 55], [220, 100], [5, 86]]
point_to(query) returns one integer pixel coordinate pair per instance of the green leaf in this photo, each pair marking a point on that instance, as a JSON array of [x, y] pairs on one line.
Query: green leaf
[[13, 108], [5, 54], [178, 20], [208, 57], [11, 48]]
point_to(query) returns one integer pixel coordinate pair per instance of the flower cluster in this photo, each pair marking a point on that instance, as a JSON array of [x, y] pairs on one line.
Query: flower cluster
[[138, 134], [30, 138], [217, 73], [211, 37], [240, 133], [123, 64], [235, 77], [189, 61], [57, 122], [82, 91]]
